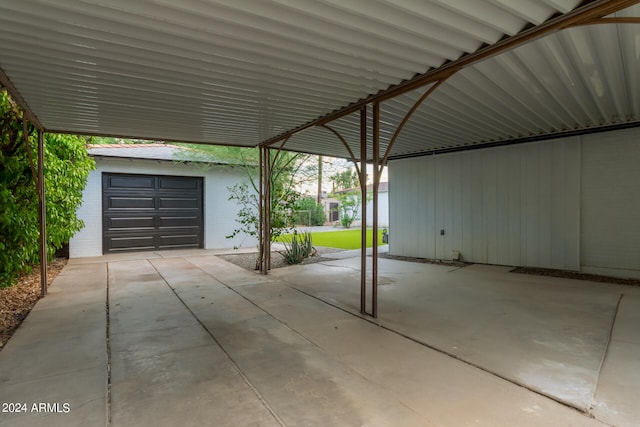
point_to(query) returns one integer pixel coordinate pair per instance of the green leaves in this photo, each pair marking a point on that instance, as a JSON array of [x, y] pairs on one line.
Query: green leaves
[[283, 197], [345, 180], [349, 207], [298, 247], [67, 166], [308, 212]]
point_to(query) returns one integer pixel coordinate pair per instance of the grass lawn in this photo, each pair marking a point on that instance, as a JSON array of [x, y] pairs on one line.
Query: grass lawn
[[344, 239]]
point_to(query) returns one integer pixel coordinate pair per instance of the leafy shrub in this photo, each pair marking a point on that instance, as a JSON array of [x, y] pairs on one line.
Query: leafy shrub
[[308, 212], [67, 167]]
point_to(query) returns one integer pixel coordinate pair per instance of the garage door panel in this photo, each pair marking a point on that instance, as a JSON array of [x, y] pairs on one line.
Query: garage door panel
[[179, 222], [151, 212], [178, 183], [179, 241], [130, 223], [130, 243], [182, 203], [131, 202], [130, 182]]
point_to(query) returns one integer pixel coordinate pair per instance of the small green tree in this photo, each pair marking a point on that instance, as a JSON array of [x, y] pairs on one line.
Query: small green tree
[[349, 207], [282, 219], [283, 196]]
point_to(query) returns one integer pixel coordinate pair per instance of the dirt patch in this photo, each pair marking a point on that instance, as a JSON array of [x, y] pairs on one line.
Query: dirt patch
[[248, 260], [575, 275], [17, 301]]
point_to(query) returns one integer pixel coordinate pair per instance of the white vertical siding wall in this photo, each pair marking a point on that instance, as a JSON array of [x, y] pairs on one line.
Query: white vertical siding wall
[[219, 214], [610, 231], [516, 205]]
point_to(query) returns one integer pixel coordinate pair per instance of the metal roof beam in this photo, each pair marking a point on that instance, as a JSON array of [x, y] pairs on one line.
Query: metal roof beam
[[592, 10]]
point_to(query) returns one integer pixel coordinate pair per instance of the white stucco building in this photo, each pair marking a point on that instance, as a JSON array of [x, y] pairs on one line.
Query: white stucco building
[[152, 196]]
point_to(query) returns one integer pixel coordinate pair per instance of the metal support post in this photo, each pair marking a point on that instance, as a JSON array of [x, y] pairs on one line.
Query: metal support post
[[267, 204], [42, 214], [261, 211], [265, 210], [376, 184], [362, 175]]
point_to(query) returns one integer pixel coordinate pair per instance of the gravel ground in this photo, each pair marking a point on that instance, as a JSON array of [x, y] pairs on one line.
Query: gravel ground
[[248, 260]]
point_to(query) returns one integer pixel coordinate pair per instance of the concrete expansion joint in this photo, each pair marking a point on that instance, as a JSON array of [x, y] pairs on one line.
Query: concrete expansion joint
[[108, 349], [226, 353], [235, 291], [604, 356]]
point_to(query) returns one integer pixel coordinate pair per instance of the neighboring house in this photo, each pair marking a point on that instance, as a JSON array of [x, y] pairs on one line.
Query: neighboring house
[[330, 207], [154, 197]]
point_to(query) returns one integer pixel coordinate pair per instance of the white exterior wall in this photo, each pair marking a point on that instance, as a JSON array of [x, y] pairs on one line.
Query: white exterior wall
[[610, 229], [219, 213], [571, 203], [516, 205], [383, 210]]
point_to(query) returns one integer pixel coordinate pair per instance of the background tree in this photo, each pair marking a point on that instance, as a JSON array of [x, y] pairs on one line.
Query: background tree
[[233, 155], [309, 212], [346, 187], [345, 180], [67, 167]]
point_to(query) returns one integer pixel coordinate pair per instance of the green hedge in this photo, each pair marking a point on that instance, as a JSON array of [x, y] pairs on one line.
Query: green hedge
[[67, 167]]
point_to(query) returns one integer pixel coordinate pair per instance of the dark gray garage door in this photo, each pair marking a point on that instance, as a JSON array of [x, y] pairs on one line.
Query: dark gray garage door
[[145, 212]]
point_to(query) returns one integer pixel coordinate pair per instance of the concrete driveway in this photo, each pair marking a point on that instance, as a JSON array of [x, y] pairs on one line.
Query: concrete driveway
[[185, 338]]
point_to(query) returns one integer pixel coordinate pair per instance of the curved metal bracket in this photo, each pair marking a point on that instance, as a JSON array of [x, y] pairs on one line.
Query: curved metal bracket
[[407, 117], [346, 145]]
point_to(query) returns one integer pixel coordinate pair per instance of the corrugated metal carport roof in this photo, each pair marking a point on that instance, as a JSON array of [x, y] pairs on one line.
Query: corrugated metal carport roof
[[243, 72]]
